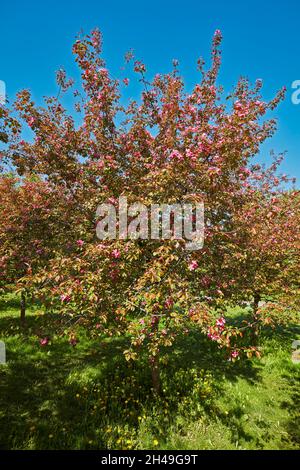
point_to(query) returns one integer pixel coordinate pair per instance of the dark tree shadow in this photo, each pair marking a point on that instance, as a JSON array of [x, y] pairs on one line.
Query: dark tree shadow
[[60, 397]]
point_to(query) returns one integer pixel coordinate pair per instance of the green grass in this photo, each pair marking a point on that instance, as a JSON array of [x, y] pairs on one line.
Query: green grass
[[89, 397]]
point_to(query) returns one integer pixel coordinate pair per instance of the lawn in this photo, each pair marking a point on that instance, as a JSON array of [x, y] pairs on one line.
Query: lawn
[[89, 397]]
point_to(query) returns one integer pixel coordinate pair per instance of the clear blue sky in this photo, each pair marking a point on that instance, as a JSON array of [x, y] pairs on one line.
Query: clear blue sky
[[261, 40]]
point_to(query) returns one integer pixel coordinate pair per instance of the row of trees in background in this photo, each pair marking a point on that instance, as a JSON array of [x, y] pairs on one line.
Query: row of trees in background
[[171, 146]]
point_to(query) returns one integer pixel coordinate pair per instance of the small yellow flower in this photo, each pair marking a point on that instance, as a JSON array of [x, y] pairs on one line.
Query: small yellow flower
[[155, 442]]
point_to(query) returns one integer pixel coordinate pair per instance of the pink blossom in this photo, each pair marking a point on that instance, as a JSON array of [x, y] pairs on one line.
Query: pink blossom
[[116, 254], [44, 341], [214, 169], [139, 67], [213, 336], [112, 200], [246, 171], [30, 121], [176, 155], [235, 354], [221, 322], [190, 155], [114, 274], [154, 320], [65, 298], [101, 246], [169, 302], [238, 105], [126, 81], [102, 70], [193, 265], [100, 164], [80, 242]]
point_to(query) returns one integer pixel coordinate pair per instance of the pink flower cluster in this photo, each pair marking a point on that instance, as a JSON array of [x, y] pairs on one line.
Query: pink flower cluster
[[214, 332], [235, 354], [139, 67], [221, 322], [116, 254], [154, 320], [176, 155], [193, 265], [44, 341], [30, 121]]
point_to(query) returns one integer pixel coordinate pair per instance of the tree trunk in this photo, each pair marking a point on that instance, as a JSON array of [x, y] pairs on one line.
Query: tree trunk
[[155, 374], [23, 307], [256, 300], [154, 360]]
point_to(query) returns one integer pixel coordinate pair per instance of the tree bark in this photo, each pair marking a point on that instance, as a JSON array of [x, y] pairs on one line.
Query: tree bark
[[155, 374], [256, 300], [23, 307], [154, 360]]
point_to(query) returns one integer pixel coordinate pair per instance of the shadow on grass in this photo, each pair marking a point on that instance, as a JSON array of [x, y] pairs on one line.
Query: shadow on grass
[[89, 397], [293, 406], [8, 303]]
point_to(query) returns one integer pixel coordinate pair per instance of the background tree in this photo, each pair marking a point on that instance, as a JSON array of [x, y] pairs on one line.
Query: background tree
[[34, 227]]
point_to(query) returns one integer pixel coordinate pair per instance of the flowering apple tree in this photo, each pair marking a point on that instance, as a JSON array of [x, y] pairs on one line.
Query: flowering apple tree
[[167, 148]]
